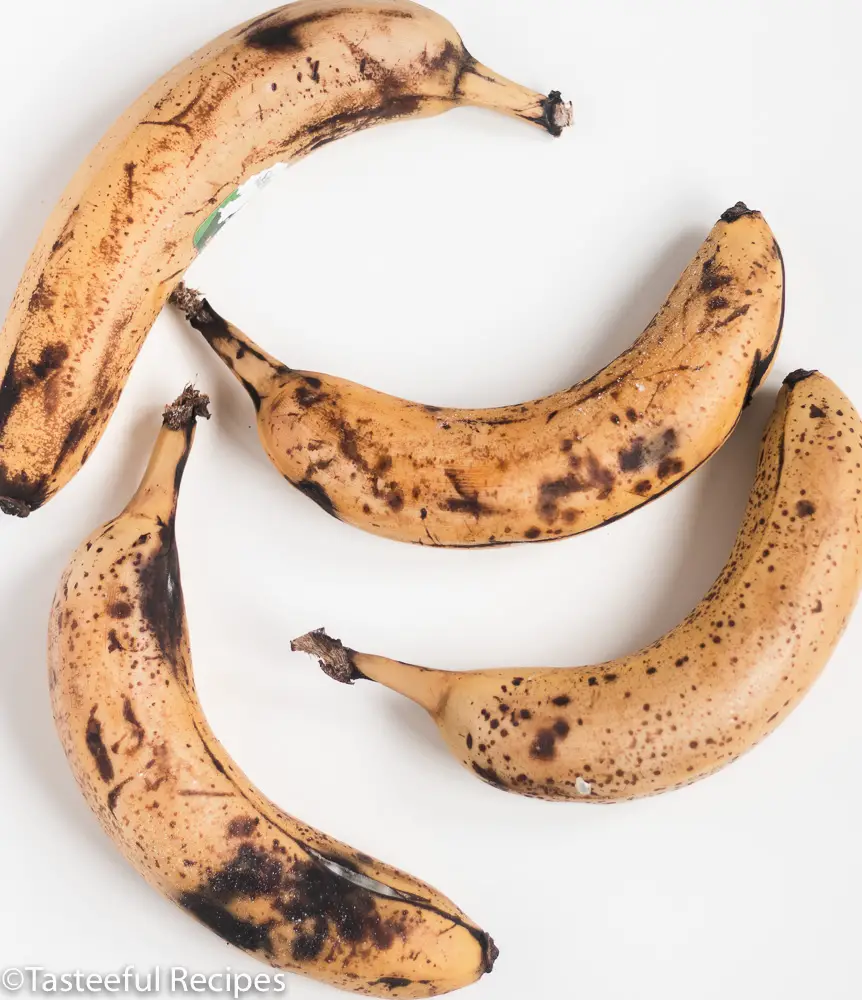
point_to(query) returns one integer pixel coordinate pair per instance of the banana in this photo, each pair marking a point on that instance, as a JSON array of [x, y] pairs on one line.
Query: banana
[[170, 172], [707, 691], [542, 470], [182, 812]]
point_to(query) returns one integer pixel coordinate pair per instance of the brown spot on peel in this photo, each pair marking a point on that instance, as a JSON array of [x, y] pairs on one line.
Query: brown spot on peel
[[97, 748]]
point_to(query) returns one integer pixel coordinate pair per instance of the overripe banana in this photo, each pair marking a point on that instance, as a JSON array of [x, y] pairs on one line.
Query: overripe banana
[[707, 691], [545, 469], [182, 812], [172, 169]]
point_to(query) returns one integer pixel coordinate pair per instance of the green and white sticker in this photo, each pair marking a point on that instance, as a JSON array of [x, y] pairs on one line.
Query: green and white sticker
[[233, 203]]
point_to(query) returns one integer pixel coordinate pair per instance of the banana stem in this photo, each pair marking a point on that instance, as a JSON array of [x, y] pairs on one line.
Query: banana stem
[[481, 87], [428, 688], [257, 371], [156, 497]]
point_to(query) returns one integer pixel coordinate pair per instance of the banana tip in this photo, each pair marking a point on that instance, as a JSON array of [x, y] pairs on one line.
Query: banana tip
[[334, 658], [558, 114], [798, 376], [490, 954], [737, 211], [15, 508], [186, 408]]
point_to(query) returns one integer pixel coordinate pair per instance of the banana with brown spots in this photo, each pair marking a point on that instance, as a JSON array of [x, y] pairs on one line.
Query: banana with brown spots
[[183, 813], [712, 688], [546, 469], [169, 173]]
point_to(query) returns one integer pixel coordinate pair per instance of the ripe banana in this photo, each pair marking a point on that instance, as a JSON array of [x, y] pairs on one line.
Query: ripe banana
[[545, 469], [182, 812], [173, 169], [707, 691]]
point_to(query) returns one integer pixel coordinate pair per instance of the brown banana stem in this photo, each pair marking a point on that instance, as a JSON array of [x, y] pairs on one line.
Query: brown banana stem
[[482, 87], [427, 687], [156, 497], [257, 371]]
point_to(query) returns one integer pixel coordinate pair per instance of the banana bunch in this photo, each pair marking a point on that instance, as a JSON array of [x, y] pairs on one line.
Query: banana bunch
[[545, 469], [713, 687], [168, 174], [153, 193], [184, 815]]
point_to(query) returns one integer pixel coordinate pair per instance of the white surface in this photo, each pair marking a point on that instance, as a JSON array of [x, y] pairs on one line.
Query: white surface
[[462, 260]]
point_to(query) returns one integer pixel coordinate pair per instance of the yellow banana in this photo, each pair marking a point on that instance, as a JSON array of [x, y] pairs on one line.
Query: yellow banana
[[182, 812], [707, 691], [545, 469], [168, 174]]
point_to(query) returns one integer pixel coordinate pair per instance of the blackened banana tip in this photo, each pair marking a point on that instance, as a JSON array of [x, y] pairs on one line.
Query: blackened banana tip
[[556, 113], [737, 211], [490, 953], [15, 508], [799, 376]]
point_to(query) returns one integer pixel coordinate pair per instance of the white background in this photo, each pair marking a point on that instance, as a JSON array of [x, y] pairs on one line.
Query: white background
[[463, 260]]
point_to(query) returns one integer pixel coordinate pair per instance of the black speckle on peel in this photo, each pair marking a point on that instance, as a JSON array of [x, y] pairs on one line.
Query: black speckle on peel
[[393, 982], [316, 903], [241, 933], [544, 746], [737, 313], [254, 395], [489, 774], [346, 122], [561, 700], [816, 413], [161, 597], [120, 609], [136, 727], [114, 794], [761, 365], [321, 901], [51, 359], [10, 390], [308, 397], [668, 467], [74, 436], [251, 873], [284, 37], [717, 302], [804, 508], [467, 501], [711, 279], [242, 826], [633, 458], [314, 491], [97, 748], [42, 298]]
